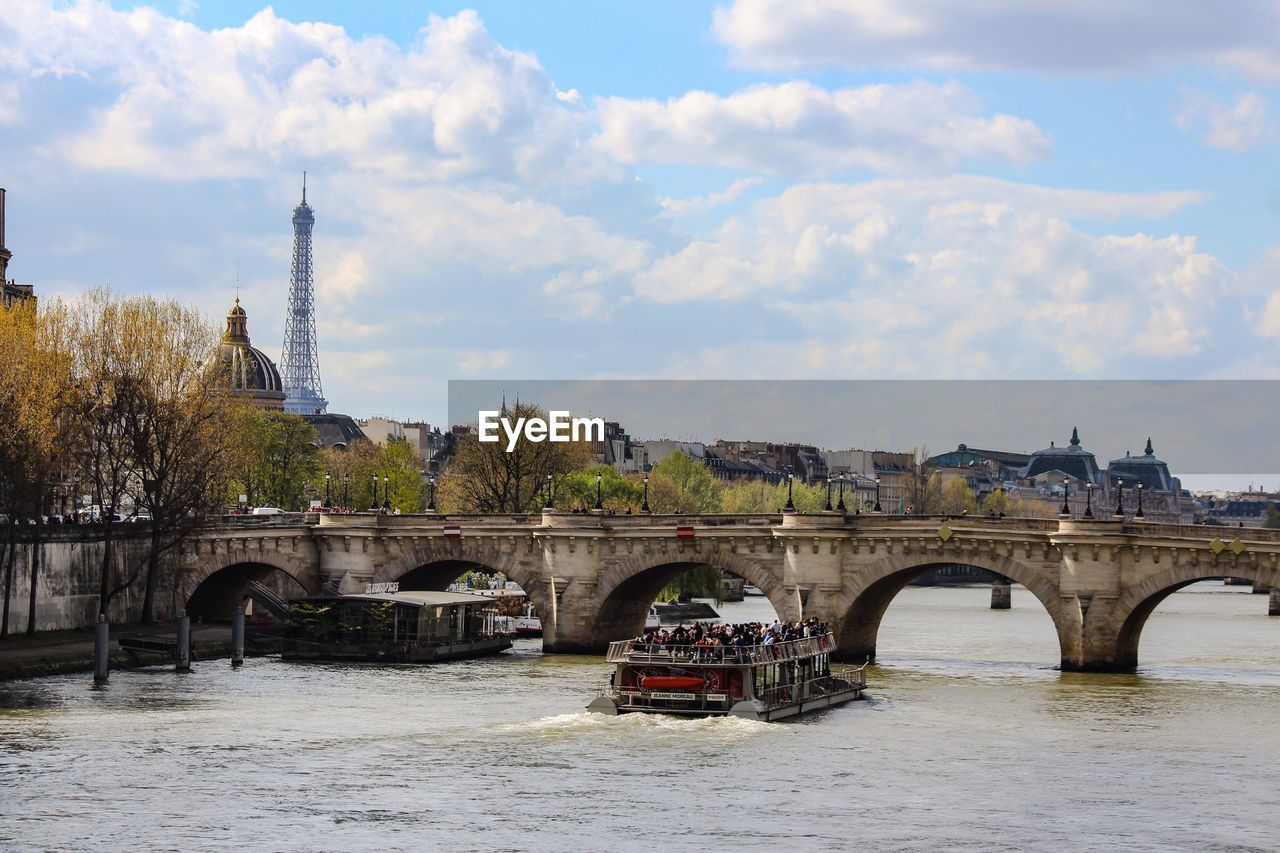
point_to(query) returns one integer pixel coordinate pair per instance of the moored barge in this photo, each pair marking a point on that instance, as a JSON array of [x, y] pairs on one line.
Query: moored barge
[[393, 627], [760, 682]]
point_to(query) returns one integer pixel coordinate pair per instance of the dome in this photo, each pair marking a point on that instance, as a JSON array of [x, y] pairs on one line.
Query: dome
[[249, 372], [1072, 460], [1145, 469]]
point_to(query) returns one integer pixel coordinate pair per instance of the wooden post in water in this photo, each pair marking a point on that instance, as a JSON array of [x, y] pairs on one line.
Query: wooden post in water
[[1273, 606], [183, 655], [101, 650], [1001, 594], [237, 638]]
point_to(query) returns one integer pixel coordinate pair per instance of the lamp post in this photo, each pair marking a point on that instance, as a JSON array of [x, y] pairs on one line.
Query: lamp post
[[549, 503], [328, 502], [373, 501], [431, 493], [644, 507], [1066, 507], [877, 506], [1119, 513], [791, 506], [828, 507], [599, 490], [1139, 513], [840, 479], [386, 492], [346, 483], [1088, 500]]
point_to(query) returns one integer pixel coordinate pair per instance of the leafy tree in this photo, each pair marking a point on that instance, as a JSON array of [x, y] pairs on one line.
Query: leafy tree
[[279, 453], [1273, 518], [924, 487], [996, 503], [680, 483], [484, 477], [748, 496], [958, 498], [577, 490]]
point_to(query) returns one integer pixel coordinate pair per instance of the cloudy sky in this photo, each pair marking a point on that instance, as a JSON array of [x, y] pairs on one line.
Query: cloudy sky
[[736, 189]]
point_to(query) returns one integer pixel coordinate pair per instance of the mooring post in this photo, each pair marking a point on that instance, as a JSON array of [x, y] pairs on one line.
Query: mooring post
[[1273, 606], [1001, 594], [1260, 588], [101, 656], [183, 662], [237, 638]]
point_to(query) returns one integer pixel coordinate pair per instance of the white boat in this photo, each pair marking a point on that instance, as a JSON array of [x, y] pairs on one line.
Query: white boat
[[751, 589], [529, 624], [652, 622]]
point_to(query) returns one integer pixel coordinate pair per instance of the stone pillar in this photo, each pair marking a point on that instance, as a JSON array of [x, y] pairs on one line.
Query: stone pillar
[[101, 656], [237, 637], [1001, 594], [1273, 608], [182, 662]]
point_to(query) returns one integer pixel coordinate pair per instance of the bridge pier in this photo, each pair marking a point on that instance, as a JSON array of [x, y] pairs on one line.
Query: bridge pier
[[1273, 606], [1001, 594]]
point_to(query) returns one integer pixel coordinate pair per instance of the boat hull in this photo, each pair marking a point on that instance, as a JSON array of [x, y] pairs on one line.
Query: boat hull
[[431, 654]]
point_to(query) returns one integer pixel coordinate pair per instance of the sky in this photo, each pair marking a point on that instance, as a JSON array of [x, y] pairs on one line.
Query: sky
[[747, 189]]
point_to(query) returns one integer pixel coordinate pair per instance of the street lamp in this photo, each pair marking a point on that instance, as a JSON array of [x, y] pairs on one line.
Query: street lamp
[[791, 506], [373, 501], [877, 506], [1088, 500], [1066, 507], [386, 492], [644, 507], [328, 502], [840, 479], [346, 483], [599, 490], [828, 507], [1119, 513], [431, 493], [1139, 514], [549, 503]]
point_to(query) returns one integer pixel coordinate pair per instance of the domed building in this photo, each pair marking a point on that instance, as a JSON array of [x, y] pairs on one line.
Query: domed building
[[1146, 469], [251, 375], [1073, 461]]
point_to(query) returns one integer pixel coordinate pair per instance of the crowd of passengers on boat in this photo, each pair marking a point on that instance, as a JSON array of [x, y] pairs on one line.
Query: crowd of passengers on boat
[[705, 638]]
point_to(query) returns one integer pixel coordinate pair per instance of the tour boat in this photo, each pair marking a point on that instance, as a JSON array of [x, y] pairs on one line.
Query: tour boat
[[765, 682], [529, 624], [393, 627]]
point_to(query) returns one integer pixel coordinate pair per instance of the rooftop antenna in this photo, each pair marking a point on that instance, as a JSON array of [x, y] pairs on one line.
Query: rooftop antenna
[[304, 186], [237, 281]]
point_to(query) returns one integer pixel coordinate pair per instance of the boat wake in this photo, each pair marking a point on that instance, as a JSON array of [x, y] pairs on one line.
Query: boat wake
[[726, 729]]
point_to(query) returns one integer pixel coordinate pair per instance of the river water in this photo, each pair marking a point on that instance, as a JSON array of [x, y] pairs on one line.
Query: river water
[[970, 740]]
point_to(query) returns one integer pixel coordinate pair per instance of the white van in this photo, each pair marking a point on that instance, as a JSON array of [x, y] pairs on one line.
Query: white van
[[267, 510]]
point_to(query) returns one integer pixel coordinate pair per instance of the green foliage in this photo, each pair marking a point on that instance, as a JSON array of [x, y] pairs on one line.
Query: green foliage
[[577, 490], [958, 498], [280, 453], [747, 496], [699, 582], [1273, 518], [996, 503], [680, 483]]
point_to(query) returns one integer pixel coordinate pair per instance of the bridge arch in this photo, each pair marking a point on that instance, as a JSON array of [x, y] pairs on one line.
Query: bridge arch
[[864, 604], [214, 590], [626, 589], [1135, 607], [436, 570]]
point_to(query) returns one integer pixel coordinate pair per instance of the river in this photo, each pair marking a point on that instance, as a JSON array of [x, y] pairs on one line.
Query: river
[[970, 740]]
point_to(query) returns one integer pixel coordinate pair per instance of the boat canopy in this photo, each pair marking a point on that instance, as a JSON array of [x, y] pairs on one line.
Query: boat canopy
[[415, 598]]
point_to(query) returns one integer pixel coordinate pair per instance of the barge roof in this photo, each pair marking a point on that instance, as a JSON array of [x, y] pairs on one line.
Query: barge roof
[[419, 598]]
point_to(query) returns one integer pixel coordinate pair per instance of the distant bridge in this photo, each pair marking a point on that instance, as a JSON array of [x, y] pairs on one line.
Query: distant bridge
[[593, 577]]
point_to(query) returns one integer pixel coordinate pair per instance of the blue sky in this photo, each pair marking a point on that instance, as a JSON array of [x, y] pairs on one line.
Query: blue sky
[[735, 189]]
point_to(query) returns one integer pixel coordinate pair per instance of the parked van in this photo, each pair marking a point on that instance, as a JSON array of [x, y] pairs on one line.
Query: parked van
[[267, 510]]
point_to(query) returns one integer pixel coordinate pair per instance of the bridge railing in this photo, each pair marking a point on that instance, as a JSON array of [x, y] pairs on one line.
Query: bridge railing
[[639, 651]]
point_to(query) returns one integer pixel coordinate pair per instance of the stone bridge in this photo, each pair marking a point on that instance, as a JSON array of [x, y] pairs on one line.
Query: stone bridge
[[593, 577]]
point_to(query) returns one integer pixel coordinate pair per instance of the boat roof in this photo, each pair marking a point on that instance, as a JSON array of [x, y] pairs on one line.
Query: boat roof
[[419, 598]]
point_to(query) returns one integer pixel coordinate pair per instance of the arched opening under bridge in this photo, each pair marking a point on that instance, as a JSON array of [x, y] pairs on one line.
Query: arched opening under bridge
[[268, 588]]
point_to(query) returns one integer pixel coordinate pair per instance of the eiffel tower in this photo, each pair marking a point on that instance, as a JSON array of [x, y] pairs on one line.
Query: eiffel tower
[[300, 359]]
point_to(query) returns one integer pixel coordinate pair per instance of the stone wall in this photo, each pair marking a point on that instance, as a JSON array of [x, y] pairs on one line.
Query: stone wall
[[68, 580]]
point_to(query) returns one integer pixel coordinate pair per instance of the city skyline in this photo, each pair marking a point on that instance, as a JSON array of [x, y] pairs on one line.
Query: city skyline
[[714, 190]]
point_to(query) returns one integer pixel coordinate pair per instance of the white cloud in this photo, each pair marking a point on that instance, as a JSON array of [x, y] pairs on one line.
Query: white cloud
[[242, 101], [959, 276], [1089, 36], [703, 203], [484, 361], [799, 128], [1234, 126]]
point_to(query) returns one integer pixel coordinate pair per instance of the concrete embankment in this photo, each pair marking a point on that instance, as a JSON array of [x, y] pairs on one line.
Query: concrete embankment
[[57, 652]]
